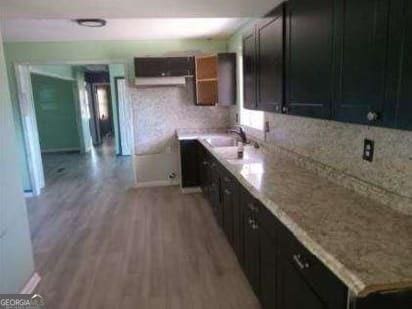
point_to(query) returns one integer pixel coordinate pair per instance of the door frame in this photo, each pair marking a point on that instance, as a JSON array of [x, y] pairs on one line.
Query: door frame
[[28, 115], [125, 117]]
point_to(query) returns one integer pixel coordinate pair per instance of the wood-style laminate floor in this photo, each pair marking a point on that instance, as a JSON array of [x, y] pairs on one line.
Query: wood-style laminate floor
[[98, 243]]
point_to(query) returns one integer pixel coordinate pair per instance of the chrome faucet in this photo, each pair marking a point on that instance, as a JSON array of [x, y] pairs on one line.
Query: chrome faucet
[[241, 133]]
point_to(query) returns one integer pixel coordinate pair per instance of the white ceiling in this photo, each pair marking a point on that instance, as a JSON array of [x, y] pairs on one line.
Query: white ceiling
[[134, 8], [15, 30]]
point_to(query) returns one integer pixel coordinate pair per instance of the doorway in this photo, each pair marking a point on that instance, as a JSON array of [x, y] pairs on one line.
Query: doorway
[[95, 111]]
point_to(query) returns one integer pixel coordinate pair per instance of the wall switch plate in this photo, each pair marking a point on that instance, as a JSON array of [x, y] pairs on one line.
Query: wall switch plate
[[368, 149], [267, 128]]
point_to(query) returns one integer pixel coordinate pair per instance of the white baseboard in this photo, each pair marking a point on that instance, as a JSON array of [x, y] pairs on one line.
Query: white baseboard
[[31, 284], [191, 190], [157, 183]]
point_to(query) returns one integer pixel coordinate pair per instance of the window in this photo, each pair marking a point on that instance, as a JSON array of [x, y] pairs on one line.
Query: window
[[249, 118]]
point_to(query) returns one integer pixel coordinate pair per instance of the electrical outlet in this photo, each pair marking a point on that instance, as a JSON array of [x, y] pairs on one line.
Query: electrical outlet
[[368, 149], [267, 128]]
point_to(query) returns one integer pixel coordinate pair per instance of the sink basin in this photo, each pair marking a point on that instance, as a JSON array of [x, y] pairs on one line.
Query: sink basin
[[222, 141]]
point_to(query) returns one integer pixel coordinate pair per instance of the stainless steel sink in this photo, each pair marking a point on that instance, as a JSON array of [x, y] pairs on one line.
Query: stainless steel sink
[[222, 141]]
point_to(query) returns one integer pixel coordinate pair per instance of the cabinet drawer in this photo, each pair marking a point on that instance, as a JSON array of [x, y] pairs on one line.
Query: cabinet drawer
[[324, 283]]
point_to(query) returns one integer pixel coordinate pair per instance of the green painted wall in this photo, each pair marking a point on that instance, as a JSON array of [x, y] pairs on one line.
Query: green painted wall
[[16, 255], [92, 52], [55, 113]]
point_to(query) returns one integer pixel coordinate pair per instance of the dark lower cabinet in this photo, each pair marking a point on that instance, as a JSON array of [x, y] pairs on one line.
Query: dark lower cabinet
[[203, 167], [294, 292], [189, 163], [280, 270], [268, 261], [215, 195], [251, 247], [230, 205]]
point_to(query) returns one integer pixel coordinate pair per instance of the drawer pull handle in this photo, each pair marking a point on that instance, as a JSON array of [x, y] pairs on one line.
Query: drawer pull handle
[[250, 221], [298, 260]]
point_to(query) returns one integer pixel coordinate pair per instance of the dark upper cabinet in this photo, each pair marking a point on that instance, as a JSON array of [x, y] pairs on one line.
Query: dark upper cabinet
[[398, 108], [163, 66], [249, 69], [309, 57], [189, 163], [361, 40], [270, 61]]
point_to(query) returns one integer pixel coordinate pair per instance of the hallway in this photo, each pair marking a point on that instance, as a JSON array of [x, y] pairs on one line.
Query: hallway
[[98, 243]]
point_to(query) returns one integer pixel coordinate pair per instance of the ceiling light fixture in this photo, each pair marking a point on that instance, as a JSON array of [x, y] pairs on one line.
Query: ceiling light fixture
[[91, 22]]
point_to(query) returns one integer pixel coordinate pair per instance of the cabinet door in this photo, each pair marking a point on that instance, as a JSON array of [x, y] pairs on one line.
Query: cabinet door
[[398, 107], [249, 70], [251, 248], [189, 163], [309, 57], [361, 38], [180, 66], [215, 196], [227, 204], [151, 66], [293, 291], [203, 168], [270, 72], [268, 263]]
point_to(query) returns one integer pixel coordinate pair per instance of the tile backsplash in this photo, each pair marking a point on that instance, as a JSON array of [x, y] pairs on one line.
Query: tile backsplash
[[335, 149], [159, 111]]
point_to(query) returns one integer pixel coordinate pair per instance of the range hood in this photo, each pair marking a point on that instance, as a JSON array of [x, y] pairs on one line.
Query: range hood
[[160, 81], [163, 71]]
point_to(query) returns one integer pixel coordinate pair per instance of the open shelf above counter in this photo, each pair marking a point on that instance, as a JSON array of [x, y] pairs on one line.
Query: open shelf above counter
[[215, 79]]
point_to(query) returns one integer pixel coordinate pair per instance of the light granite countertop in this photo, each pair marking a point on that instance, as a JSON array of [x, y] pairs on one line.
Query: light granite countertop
[[365, 244]]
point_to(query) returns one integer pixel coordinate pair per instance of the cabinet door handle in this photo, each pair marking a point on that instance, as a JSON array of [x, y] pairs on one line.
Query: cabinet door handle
[[372, 116], [250, 221], [227, 191], [252, 207], [255, 226], [298, 260], [285, 109], [205, 163], [226, 179]]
